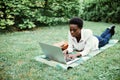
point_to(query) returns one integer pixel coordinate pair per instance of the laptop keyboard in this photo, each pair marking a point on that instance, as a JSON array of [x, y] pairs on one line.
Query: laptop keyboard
[[69, 59]]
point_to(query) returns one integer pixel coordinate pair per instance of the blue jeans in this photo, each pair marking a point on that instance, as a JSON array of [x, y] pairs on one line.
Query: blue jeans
[[104, 38]]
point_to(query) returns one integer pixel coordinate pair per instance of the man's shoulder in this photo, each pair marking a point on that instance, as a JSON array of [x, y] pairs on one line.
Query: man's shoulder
[[87, 30]]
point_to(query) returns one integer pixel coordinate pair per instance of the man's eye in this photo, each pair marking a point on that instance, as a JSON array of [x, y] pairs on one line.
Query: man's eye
[[74, 30]]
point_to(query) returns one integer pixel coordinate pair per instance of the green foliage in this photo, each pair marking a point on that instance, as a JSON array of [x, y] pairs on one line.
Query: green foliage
[[102, 10], [57, 12], [6, 19], [26, 14], [27, 24]]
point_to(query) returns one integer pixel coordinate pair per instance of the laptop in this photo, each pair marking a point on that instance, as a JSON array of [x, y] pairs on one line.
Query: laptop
[[55, 53]]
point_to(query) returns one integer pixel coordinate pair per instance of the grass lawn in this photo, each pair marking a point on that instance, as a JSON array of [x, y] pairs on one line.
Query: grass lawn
[[18, 49]]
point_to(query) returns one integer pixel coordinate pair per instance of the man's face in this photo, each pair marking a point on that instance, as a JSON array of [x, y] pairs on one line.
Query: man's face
[[75, 30]]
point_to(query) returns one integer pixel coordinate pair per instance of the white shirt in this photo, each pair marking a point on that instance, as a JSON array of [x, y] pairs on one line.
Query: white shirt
[[87, 43]]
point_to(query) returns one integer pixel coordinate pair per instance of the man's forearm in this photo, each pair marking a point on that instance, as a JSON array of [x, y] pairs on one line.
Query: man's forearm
[[78, 54]]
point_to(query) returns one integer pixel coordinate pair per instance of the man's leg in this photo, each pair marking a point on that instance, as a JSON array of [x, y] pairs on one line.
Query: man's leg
[[107, 31], [104, 41], [105, 36]]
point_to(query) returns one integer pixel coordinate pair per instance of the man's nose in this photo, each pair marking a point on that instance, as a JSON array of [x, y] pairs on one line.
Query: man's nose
[[72, 32]]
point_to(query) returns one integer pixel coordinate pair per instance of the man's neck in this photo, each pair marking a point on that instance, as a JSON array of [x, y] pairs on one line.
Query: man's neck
[[78, 37]]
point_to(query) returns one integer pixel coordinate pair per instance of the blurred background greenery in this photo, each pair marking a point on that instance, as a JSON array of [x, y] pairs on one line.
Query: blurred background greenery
[[27, 14]]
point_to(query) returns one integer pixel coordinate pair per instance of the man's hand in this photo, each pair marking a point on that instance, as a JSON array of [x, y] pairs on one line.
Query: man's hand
[[73, 56], [65, 52]]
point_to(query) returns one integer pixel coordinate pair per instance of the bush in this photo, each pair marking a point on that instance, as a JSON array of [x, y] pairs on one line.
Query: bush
[[27, 14], [102, 10]]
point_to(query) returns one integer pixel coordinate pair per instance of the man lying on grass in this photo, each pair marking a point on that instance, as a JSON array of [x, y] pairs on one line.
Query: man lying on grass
[[83, 41]]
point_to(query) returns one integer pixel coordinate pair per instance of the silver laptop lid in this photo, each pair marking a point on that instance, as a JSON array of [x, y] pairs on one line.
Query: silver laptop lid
[[53, 52]]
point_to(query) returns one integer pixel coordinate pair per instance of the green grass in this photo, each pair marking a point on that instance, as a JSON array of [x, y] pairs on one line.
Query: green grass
[[18, 49]]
